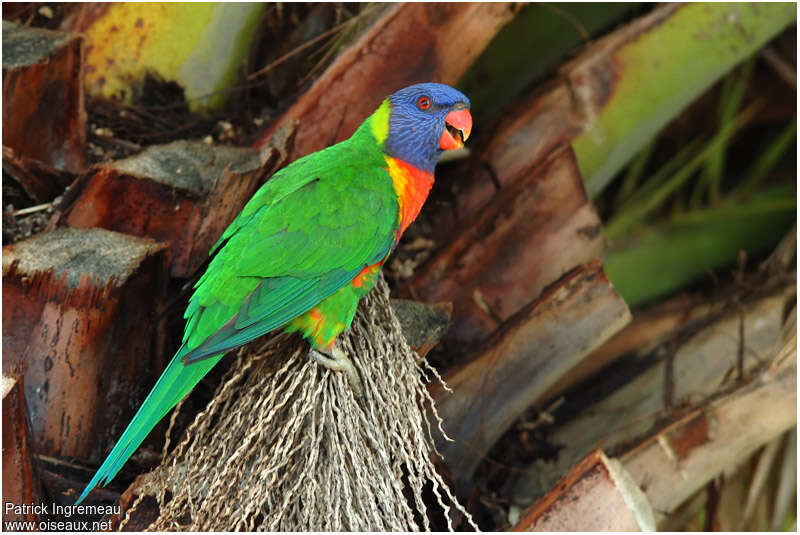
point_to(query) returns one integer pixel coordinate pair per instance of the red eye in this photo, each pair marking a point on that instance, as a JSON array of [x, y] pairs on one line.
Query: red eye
[[424, 103]]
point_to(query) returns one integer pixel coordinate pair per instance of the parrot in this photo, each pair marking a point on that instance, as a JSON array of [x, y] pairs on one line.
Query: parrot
[[307, 247]]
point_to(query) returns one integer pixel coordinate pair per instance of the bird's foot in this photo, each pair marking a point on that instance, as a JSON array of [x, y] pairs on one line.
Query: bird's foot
[[338, 361]]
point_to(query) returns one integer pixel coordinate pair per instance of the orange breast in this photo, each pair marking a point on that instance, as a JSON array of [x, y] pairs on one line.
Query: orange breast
[[412, 186]]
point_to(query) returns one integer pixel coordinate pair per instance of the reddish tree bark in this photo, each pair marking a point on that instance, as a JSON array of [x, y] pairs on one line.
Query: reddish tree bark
[[183, 193], [79, 308], [597, 494], [43, 110], [20, 484]]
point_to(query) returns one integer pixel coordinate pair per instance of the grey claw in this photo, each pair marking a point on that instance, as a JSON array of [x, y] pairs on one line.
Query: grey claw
[[339, 362]]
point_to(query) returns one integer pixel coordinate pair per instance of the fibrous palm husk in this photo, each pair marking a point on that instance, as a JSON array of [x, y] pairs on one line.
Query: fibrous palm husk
[[287, 446]]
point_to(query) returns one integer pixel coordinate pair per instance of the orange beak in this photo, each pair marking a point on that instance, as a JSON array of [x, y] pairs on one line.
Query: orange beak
[[457, 127]]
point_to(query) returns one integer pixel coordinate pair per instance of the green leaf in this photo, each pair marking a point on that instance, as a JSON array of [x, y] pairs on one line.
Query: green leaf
[[663, 258], [650, 199], [664, 70]]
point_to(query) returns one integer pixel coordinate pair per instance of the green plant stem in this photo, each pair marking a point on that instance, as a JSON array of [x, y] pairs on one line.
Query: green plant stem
[[629, 218], [733, 92], [635, 172], [768, 159], [655, 180]]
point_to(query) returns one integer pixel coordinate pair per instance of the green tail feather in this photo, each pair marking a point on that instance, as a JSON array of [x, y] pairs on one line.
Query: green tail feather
[[176, 381]]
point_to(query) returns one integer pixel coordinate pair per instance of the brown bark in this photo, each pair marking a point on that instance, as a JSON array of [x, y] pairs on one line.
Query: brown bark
[[683, 457], [183, 193], [522, 360], [673, 379], [40, 181], [410, 43], [534, 230], [64, 479], [597, 494], [43, 110], [20, 484], [423, 325], [79, 309], [534, 126], [666, 469], [142, 516], [645, 332]]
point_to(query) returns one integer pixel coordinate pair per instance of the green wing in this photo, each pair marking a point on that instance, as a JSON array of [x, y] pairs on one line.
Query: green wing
[[302, 237]]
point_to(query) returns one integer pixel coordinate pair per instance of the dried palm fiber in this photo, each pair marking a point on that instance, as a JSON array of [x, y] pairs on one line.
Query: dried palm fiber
[[285, 445]]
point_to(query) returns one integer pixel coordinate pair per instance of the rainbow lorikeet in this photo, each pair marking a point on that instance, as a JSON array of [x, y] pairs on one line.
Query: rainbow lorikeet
[[308, 246]]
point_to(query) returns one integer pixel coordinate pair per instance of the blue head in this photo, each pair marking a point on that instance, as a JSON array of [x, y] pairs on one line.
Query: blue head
[[425, 120]]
